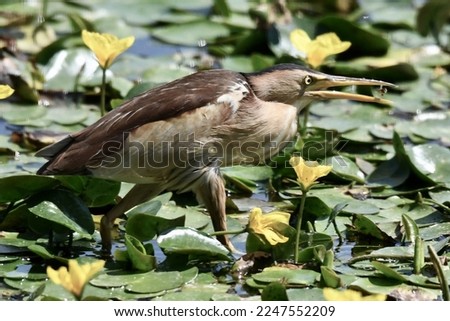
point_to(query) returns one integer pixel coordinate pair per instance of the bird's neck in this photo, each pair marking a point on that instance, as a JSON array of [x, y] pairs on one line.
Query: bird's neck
[[275, 89]]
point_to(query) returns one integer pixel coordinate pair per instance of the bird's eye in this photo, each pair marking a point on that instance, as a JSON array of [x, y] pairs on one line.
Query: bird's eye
[[308, 80]]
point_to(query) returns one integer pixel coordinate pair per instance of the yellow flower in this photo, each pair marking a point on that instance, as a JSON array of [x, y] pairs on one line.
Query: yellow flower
[[106, 47], [308, 172], [76, 277], [5, 91], [350, 295], [269, 225], [320, 48]]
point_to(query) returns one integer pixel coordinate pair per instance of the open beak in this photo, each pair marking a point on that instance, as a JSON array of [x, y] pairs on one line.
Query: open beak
[[318, 91]]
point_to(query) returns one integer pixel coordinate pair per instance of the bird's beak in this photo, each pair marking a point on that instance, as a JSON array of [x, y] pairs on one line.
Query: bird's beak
[[318, 91]]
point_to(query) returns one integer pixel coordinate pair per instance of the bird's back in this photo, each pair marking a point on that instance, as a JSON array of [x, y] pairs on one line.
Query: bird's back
[[80, 152]]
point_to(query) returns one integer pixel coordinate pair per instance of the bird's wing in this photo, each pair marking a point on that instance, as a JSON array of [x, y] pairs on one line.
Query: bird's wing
[[72, 154]]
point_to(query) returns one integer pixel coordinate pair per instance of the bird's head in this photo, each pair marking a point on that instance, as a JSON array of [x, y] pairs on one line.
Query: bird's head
[[298, 85]]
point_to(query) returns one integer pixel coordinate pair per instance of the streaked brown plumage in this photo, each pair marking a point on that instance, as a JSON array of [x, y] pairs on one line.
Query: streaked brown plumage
[[176, 137]]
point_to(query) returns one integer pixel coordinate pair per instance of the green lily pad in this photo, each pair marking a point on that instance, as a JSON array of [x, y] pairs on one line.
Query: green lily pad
[[375, 285], [345, 168], [95, 192], [157, 282], [192, 33], [287, 276], [190, 241], [305, 294], [193, 217], [24, 285], [365, 42], [431, 161], [68, 66], [6, 259], [187, 296], [252, 173], [94, 293], [24, 115], [55, 292], [316, 207], [334, 196], [45, 254], [62, 208], [66, 116], [16, 241], [117, 279], [145, 227], [29, 272], [15, 188], [274, 291], [9, 267], [149, 208], [366, 226], [392, 172], [441, 197], [388, 272], [435, 231]]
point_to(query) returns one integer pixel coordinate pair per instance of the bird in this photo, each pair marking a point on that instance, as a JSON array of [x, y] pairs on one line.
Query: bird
[[177, 136]]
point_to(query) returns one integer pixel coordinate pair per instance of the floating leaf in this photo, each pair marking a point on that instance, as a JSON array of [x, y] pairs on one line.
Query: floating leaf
[[95, 192], [287, 276], [192, 33], [15, 188], [190, 241], [365, 226], [157, 282], [345, 168], [63, 209], [365, 41], [145, 227], [117, 279], [274, 291], [431, 161], [388, 272]]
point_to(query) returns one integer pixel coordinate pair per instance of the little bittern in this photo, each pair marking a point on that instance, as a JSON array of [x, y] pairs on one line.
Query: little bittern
[[176, 137]]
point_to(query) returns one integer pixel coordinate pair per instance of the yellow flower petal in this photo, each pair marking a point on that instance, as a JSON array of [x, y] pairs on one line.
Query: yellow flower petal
[[75, 279], [53, 275], [301, 41], [5, 91], [350, 295], [331, 43], [308, 172], [269, 225], [317, 50], [106, 47], [78, 277], [274, 237]]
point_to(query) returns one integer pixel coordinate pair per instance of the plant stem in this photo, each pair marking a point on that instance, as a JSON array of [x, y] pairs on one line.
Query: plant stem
[[299, 224], [103, 93], [228, 232]]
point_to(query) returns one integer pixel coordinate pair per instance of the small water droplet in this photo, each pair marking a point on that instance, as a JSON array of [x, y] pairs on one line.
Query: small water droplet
[[201, 43], [40, 19]]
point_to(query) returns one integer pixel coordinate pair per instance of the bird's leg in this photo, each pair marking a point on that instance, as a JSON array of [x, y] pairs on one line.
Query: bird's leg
[[138, 194], [211, 192]]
